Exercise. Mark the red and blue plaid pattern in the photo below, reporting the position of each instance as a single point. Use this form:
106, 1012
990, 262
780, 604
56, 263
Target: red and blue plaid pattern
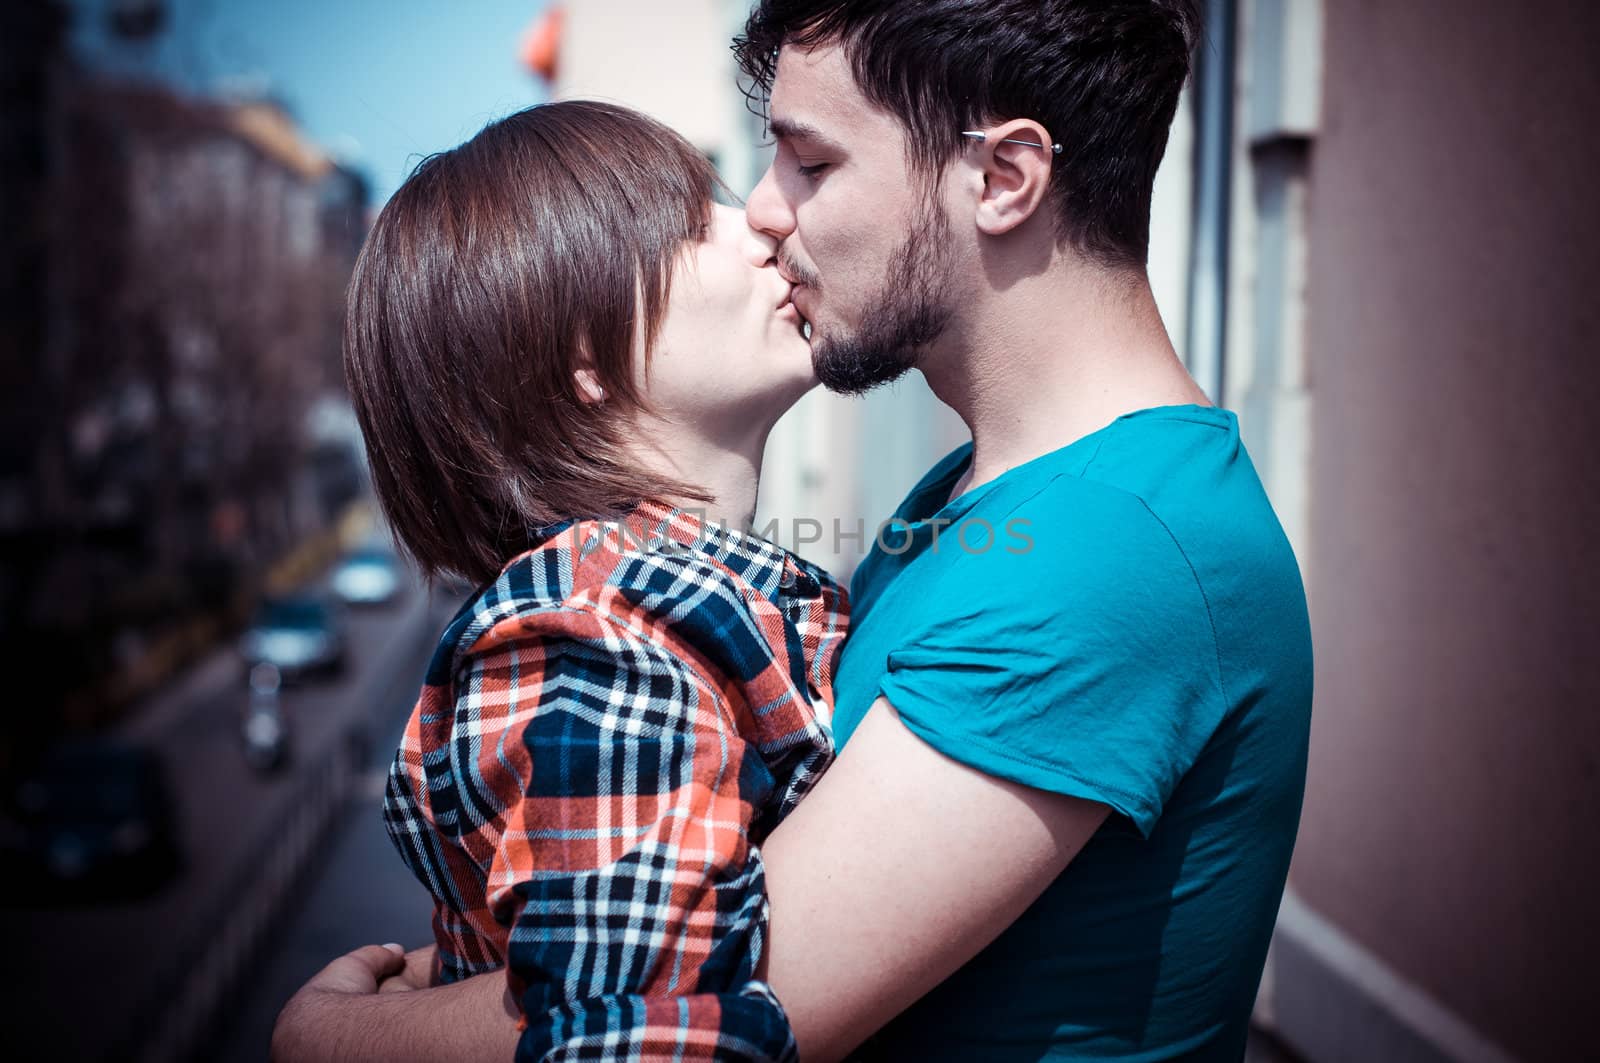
605, 735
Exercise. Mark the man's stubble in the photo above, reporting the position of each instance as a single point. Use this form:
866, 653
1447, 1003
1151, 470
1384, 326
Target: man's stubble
906, 316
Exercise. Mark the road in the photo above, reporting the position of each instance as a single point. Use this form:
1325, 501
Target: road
359, 893
147, 979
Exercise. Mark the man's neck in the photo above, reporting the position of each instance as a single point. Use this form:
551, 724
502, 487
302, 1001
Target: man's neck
1051, 358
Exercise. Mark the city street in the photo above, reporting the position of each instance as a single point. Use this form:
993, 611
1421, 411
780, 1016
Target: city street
356, 893
155, 975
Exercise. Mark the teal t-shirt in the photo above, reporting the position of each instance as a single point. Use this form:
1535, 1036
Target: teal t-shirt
1122, 620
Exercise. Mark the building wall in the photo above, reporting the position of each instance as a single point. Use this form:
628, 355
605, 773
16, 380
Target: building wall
668, 60
1449, 832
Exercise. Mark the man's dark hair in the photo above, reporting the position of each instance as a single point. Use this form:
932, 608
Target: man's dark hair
1103, 76
544, 244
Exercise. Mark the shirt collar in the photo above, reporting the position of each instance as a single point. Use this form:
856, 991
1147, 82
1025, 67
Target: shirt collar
767, 567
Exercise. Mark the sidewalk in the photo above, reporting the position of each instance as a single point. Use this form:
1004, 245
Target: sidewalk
147, 979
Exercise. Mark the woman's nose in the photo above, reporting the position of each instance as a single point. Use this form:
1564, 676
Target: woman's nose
760, 248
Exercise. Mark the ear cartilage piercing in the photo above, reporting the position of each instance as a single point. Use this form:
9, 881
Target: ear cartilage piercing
979, 135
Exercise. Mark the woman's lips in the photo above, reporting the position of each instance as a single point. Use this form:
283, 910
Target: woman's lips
786, 307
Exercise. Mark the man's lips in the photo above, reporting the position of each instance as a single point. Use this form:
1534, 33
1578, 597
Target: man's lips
787, 270
789, 311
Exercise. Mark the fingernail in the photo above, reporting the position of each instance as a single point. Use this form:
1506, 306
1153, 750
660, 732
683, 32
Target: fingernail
392, 947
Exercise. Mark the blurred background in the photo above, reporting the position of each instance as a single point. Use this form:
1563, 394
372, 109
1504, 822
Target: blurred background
1373, 237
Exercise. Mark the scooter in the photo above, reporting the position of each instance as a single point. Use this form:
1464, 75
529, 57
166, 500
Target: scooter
264, 729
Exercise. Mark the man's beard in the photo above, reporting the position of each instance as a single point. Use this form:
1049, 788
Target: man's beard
911, 312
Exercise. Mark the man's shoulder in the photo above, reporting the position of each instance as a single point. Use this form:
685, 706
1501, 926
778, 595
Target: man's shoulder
1056, 555
1066, 525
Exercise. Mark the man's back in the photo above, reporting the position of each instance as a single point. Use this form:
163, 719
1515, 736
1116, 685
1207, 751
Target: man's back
1150, 650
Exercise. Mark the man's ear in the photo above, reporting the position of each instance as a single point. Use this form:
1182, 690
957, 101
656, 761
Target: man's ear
589, 389
1016, 159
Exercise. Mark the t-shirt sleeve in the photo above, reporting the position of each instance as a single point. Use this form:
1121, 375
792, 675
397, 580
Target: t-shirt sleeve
1075, 655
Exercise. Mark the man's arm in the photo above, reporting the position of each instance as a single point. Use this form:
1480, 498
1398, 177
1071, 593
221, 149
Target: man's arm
898, 868
1030, 695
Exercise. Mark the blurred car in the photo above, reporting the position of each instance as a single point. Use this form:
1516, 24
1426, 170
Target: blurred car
300, 635
369, 576
92, 820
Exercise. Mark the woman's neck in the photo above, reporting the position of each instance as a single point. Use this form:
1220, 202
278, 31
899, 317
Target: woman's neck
730, 472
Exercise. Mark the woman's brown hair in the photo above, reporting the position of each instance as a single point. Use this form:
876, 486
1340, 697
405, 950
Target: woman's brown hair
499, 268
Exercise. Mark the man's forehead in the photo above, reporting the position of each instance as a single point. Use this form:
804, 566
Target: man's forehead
815, 96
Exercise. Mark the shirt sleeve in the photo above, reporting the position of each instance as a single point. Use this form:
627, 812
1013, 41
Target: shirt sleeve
1076, 655
820, 626
635, 903
462, 948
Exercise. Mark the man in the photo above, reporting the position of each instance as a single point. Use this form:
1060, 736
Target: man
1071, 766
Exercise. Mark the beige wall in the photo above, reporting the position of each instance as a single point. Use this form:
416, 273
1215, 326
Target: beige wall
670, 60
1452, 817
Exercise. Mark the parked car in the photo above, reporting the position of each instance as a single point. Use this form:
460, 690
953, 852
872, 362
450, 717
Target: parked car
369, 576
92, 820
300, 635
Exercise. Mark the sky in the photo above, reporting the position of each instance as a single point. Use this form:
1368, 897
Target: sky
376, 83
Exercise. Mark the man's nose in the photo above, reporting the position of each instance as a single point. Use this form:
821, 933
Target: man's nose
767, 211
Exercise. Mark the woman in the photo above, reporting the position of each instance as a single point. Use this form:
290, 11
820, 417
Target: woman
566, 360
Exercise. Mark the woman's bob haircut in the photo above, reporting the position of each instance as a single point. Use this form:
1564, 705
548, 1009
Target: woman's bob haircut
543, 245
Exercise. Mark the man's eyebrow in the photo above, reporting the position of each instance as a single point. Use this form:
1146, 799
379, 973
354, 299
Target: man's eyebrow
789, 129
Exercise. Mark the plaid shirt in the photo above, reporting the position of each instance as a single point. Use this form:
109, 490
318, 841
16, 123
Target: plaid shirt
605, 735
